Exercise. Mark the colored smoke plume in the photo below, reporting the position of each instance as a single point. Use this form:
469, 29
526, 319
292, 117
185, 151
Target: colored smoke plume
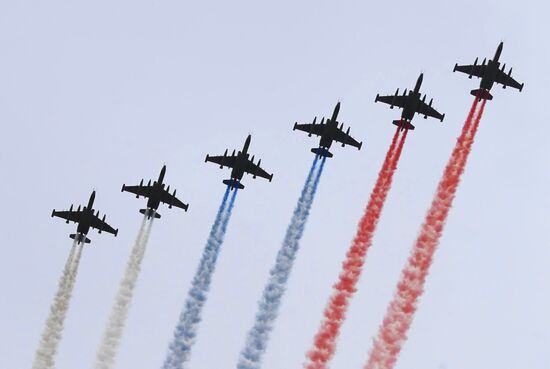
343, 291
53, 330
268, 306
112, 335
185, 332
399, 316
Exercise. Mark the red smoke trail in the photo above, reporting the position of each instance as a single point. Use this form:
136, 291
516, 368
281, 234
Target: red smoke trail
343, 291
393, 332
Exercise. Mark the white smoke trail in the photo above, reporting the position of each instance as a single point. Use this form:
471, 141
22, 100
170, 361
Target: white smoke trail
185, 333
51, 336
268, 309
112, 335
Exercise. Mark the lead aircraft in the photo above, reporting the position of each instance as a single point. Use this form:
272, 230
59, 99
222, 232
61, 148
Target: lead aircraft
490, 73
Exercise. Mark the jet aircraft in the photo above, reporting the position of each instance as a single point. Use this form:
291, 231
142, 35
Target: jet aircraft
411, 103
86, 219
156, 193
490, 73
328, 132
240, 164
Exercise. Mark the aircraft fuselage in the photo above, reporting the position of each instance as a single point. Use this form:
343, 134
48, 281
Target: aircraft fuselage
153, 201
238, 170
331, 128
85, 223
413, 101
488, 79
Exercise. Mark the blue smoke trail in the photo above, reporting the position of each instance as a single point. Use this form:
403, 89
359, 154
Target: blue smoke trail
268, 306
185, 332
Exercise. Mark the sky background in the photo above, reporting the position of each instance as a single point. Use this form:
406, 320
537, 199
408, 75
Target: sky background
97, 94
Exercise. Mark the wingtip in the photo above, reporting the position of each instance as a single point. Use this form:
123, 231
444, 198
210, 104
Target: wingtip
53, 213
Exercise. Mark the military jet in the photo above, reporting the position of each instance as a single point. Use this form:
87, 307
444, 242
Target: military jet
86, 219
411, 103
489, 72
328, 132
156, 193
241, 164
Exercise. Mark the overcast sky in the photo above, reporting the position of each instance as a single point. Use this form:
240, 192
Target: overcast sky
97, 95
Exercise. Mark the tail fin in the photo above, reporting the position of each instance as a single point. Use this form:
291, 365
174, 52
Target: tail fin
482, 93
404, 124
149, 213
233, 183
80, 238
322, 151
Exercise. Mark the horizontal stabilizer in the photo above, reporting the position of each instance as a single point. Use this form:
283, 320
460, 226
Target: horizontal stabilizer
482, 94
321, 151
404, 124
149, 213
80, 238
233, 183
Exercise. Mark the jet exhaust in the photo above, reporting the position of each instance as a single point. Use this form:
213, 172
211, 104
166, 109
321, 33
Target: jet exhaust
53, 330
258, 336
324, 345
108, 348
392, 334
179, 350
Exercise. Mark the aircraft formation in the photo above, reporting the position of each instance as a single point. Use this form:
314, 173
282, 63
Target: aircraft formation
329, 130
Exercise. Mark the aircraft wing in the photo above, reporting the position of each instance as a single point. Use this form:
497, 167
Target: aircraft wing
139, 190
70, 215
506, 79
427, 110
222, 160
345, 138
394, 100
311, 128
101, 225
256, 170
171, 199
472, 70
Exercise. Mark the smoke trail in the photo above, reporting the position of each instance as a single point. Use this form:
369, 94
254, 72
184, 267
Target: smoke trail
258, 336
393, 332
185, 332
343, 291
110, 343
51, 335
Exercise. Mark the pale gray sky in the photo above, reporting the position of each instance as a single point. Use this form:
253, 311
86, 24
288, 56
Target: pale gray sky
99, 94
